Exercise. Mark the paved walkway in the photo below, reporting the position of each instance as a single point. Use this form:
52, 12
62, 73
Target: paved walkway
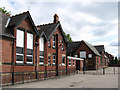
75, 81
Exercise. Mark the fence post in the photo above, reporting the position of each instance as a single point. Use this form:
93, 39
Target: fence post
114, 70
12, 78
103, 71
23, 77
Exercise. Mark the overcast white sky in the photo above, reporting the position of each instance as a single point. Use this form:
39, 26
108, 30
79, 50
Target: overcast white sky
94, 22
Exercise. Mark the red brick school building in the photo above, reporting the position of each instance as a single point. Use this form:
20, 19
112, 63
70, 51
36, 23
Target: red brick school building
33, 52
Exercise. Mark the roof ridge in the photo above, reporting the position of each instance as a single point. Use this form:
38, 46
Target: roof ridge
98, 45
20, 14
45, 24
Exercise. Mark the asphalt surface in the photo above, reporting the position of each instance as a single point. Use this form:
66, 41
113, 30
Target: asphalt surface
108, 80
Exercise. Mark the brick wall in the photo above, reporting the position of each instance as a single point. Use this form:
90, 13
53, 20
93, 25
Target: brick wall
90, 63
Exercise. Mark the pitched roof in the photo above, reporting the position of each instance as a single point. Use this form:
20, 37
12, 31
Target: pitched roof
72, 46
100, 48
48, 30
92, 48
5, 31
17, 19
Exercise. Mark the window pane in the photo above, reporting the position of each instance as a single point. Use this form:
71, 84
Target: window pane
82, 54
53, 59
41, 59
19, 50
48, 59
19, 58
69, 61
29, 41
73, 62
20, 38
89, 55
29, 52
63, 59
53, 38
41, 53
41, 45
29, 59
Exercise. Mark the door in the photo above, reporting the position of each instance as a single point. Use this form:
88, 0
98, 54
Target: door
77, 65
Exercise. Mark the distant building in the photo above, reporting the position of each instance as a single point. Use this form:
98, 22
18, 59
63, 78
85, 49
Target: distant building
86, 51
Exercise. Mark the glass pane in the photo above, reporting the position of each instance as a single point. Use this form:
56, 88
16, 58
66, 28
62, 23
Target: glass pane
29, 51
19, 50
41, 59
82, 54
19, 58
41, 45
41, 53
29, 40
20, 38
29, 59
63, 59
53, 43
53, 38
54, 61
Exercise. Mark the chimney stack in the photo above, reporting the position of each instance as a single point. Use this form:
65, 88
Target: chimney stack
56, 18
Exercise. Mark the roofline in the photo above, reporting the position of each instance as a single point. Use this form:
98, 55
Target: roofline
28, 15
42, 35
87, 46
53, 31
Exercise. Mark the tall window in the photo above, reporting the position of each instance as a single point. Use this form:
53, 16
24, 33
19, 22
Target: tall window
82, 54
63, 60
73, 62
20, 46
53, 59
53, 41
49, 60
29, 48
41, 49
69, 62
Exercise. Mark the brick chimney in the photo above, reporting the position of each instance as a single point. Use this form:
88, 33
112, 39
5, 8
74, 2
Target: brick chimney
56, 18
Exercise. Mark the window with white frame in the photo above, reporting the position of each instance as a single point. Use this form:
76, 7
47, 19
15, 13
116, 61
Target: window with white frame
73, 62
63, 60
20, 46
69, 62
53, 41
82, 54
29, 48
41, 50
62, 46
49, 59
53, 59
89, 55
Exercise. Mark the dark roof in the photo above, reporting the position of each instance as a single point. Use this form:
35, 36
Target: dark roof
72, 46
92, 48
5, 31
100, 48
77, 44
48, 30
17, 19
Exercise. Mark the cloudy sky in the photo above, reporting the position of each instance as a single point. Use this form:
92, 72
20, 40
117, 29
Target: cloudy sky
93, 21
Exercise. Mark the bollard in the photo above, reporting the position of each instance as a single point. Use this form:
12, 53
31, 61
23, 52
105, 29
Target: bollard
114, 70
103, 71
